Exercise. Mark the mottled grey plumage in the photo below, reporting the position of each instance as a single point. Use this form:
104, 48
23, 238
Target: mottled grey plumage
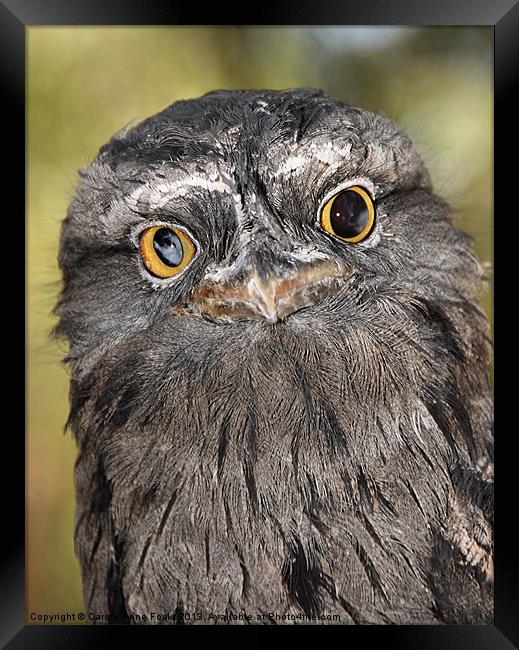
332, 457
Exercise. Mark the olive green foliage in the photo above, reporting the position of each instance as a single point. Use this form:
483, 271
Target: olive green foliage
84, 84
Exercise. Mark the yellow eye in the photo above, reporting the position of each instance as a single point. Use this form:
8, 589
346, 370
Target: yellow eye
166, 251
349, 215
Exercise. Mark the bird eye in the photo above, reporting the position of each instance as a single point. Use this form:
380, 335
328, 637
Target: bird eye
166, 251
349, 215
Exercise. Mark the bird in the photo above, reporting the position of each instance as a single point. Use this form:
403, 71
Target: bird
279, 373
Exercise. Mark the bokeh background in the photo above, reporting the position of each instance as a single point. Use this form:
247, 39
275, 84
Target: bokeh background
86, 83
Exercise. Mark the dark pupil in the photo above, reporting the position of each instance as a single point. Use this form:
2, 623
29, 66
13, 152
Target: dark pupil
168, 247
349, 214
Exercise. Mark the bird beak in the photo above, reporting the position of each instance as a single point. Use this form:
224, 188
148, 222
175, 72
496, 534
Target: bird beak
268, 287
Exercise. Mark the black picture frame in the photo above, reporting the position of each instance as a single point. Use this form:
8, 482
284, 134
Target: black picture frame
15, 17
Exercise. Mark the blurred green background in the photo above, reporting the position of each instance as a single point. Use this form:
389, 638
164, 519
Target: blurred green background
86, 83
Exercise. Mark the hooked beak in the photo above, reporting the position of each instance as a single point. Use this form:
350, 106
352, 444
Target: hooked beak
266, 287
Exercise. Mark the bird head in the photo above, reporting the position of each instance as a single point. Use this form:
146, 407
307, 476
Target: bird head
268, 252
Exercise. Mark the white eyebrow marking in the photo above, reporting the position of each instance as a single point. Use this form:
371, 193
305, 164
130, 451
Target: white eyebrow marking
331, 154
157, 193
290, 164
328, 153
